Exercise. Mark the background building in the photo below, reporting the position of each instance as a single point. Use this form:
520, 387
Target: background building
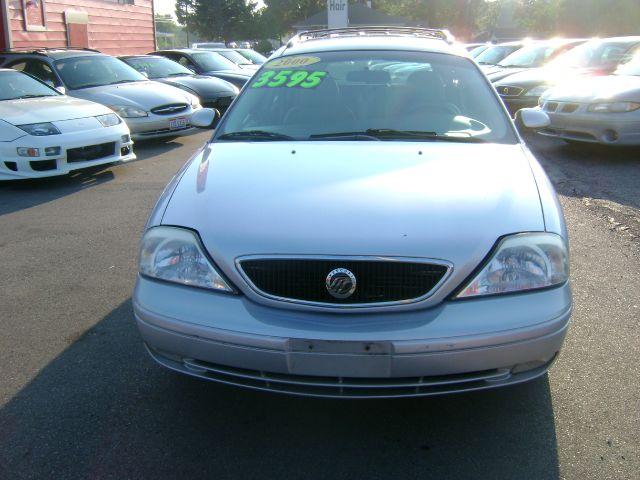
112, 26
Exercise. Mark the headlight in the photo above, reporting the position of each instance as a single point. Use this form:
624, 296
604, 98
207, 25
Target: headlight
614, 107
128, 112
176, 255
521, 262
40, 129
109, 120
536, 91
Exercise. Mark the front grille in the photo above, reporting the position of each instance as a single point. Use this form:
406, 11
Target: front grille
341, 387
221, 103
507, 91
376, 281
43, 165
170, 109
551, 106
91, 152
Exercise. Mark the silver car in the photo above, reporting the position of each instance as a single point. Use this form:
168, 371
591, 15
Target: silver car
603, 110
150, 109
369, 234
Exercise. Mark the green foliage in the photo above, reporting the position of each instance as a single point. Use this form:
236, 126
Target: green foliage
217, 19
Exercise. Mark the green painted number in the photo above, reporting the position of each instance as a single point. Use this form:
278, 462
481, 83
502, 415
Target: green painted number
280, 79
264, 79
297, 78
313, 80
289, 79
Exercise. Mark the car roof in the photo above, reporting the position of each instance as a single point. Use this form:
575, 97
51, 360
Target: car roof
53, 53
373, 38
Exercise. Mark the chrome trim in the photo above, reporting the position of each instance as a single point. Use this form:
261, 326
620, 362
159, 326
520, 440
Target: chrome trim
345, 306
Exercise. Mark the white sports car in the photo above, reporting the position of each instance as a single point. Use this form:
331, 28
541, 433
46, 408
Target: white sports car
44, 133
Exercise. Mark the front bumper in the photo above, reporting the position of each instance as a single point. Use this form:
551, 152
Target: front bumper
603, 128
457, 346
14, 167
159, 126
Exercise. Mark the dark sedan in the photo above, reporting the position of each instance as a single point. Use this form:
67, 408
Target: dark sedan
204, 62
213, 92
593, 58
240, 60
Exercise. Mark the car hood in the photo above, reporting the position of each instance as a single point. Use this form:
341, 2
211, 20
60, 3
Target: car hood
435, 200
145, 95
598, 89
550, 75
204, 86
233, 73
48, 109
500, 73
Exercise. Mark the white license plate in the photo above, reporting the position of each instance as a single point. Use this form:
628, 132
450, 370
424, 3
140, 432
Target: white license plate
177, 123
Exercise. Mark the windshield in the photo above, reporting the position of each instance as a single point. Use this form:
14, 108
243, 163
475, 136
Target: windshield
630, 68
492, 55
531, 56
596, 53
213, 62
368, 95
95, 71
478, 50
235, 57
15, 85
253, 56
157, 67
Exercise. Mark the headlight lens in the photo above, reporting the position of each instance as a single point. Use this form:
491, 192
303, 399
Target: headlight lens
128, 112
176, 255
40, 129
521, 262
614, 107
536, 91
109, 120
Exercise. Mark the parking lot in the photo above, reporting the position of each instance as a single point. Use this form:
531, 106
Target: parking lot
80, 398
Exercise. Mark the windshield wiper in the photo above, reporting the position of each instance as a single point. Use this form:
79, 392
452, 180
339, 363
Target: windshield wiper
260, 135
388, 133
344, 136
118, 82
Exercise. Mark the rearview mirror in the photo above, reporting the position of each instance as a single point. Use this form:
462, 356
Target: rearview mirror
532, 118
206, 118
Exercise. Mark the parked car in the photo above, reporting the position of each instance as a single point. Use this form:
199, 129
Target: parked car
204, 62
595, 57
212, 92
496, 53
603, 110
366, 235
532, 56
240, 61
151, 109
44, 133
251, 55
208, 45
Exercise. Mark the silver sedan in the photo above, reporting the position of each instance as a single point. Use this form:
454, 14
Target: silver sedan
603, 110
367, 235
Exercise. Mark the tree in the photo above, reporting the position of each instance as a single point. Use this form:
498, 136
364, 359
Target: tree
217, 19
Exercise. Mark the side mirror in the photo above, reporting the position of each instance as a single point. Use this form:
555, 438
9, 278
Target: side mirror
144, 74
61, 90
532, 118
206, 118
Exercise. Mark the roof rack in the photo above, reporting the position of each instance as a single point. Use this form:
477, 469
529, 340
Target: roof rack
43, 50
431, 33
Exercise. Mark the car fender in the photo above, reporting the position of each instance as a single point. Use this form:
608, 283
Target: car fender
9, 133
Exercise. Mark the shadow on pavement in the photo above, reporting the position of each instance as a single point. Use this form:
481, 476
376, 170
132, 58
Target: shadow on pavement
588, 170
102, 409
17, 195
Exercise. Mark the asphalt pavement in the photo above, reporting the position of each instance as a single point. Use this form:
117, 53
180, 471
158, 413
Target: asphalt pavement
80, 399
